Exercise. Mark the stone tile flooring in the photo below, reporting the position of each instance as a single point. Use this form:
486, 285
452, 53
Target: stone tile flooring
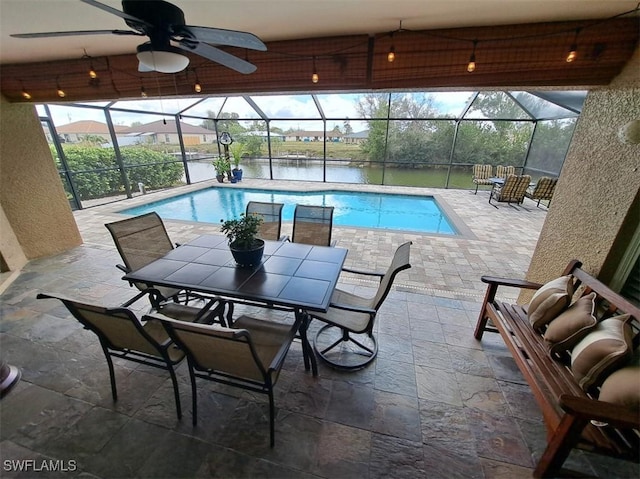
434, 404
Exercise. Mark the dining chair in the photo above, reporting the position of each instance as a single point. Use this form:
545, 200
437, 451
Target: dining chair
347, 340
481, 175
141, 240
248, 355
504, 171
122, 335
313, 225
511, 191
543, 190
271, 214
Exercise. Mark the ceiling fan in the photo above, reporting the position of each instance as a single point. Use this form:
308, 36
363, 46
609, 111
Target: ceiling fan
164, 24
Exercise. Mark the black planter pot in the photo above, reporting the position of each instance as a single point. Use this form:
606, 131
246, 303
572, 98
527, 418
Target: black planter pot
248, 257
220, 178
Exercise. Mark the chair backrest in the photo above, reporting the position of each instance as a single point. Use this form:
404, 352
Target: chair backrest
514, 188
312, 225
271, 214
544, 188
399, 263
504, 171
140, 240
482, 172
118, 328
224, 350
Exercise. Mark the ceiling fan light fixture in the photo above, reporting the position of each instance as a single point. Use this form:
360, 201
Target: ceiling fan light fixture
169, 59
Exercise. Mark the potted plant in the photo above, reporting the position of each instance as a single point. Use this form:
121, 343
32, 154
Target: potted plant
245, 246
222, 166
236, 150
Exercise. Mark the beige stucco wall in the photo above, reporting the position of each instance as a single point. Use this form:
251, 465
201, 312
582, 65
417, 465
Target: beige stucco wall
31, 194
593, 204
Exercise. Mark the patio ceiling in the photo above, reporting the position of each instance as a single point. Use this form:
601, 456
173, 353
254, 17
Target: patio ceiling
524, 44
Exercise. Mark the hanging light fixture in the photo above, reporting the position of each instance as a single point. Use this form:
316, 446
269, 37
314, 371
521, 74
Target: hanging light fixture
471, 66
315, 77
573, 49
143, 92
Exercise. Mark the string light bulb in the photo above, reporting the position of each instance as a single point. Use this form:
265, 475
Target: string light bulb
391, 56
92, 73
471, 66
197, 87
25, 94
573, 49
60, 91
143, 92
315, 77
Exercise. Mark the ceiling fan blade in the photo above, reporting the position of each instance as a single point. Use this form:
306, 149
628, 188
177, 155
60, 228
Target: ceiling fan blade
216, 55
73, 33
219, 36
114, 11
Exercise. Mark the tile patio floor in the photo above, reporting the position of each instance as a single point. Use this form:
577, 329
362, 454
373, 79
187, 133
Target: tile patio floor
434, 404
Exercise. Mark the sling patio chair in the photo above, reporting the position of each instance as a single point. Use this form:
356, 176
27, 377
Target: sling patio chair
122, 335
543, 190
347, 341
481, 175
271, 214
511, 191
141, 240
312, 225
248, 355
504, 171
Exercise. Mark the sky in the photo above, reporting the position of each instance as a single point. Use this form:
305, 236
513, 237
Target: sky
299, 109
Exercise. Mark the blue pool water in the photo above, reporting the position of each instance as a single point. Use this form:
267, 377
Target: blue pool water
367, 210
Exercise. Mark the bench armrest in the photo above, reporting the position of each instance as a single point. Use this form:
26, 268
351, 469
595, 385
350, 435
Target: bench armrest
592, 409
515, 283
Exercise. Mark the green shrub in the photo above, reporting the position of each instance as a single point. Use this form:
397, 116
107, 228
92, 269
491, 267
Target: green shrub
96, 174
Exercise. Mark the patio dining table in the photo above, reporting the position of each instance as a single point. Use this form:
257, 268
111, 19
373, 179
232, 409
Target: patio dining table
291, 275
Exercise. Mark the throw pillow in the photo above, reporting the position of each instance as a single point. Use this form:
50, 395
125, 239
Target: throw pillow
549, 301
623, 387
602, 351
569, 327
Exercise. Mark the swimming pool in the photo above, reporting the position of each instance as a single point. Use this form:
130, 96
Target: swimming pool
366, 210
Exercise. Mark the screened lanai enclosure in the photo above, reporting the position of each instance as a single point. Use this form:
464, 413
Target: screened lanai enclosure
107, 151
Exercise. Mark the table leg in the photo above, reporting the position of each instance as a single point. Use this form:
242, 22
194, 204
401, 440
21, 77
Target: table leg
307, 351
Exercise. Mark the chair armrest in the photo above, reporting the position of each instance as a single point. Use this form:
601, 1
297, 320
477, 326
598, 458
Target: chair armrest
363, 272
355, 309
123, 268
514, 283
149, 291
592, 409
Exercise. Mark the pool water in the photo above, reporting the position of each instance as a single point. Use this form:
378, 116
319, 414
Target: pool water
366, 210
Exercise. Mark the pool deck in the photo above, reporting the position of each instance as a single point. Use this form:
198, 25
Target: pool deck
435, 403
441, 264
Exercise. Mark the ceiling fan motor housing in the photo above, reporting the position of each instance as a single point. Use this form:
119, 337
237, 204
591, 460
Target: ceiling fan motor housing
159, 14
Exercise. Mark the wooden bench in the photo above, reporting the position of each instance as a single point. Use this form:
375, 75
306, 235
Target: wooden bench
567, 410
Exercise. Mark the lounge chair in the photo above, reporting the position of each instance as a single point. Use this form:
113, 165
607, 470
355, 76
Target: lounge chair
481, 175
543, 190
511, 191
504, 171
